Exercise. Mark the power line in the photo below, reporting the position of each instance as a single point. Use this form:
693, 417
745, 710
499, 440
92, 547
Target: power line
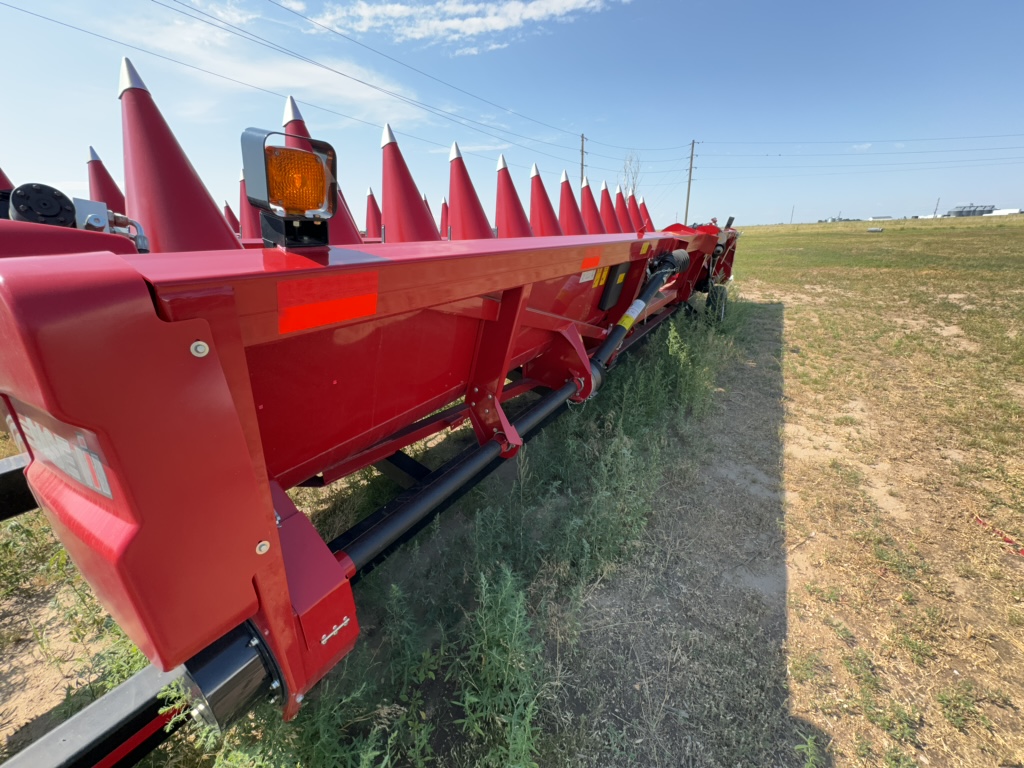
230, 79
849, 165
869, 154
443, 82
873, 141
462, 121
856, 173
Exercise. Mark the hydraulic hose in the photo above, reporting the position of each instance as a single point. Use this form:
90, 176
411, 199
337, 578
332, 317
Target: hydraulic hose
667, 266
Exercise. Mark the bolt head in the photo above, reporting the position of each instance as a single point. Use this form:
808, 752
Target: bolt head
200, 348
263, 547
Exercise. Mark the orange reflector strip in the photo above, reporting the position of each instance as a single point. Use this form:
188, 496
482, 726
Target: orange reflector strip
590, 262
311, 303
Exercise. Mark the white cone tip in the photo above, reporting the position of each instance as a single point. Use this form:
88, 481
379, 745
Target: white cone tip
534, 171
129, 78
586, 182
369, 191
444, 201
291, 111
640, 200
93, 156
604, 186
501, 162
618, 189
455, 153
387, 137
241, 175
565, 177
630, 194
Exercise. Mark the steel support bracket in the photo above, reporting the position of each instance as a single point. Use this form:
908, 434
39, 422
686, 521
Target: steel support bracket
494, 352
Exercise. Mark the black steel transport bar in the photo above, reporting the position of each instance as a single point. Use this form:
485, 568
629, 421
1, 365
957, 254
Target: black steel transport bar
121, 727
15, 497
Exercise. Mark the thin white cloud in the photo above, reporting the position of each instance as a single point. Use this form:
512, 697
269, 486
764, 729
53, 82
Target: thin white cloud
862, 147
294, 5
217, 50
447, 20
497, 46
470, 51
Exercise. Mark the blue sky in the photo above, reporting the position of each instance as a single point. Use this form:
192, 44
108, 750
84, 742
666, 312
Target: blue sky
806, 109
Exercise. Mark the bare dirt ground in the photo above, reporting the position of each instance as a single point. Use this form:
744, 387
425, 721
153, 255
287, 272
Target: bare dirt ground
683, 651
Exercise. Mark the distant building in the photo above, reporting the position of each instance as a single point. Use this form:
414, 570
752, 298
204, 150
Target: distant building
971, 210
879, 218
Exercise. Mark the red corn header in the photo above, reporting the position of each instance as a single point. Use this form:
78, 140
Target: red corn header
170, 378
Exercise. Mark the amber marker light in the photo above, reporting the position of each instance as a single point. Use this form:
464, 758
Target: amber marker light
297, 182
287, 182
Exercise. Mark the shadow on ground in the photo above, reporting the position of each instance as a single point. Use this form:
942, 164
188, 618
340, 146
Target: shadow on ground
681, 658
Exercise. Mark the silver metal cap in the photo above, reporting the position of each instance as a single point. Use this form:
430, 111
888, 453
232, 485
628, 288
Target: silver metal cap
92, 155
129, 78
455, 151
565, 176
604, 185
586, 182
618, 189
501, 162
369, 191
534, 171
291, 111
387, 137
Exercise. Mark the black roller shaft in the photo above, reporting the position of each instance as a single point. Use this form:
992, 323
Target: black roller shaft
374, 535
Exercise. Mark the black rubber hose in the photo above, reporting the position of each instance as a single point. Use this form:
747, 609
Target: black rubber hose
664, 269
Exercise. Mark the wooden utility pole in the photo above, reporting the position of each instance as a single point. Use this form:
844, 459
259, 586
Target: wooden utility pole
689, 181
582, 173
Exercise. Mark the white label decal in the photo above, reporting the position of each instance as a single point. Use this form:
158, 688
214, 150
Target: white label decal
75, 461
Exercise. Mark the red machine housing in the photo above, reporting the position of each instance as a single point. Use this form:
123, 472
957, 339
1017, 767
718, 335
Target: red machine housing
205, 383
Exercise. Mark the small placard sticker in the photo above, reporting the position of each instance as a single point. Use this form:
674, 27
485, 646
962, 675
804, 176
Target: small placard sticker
588, 276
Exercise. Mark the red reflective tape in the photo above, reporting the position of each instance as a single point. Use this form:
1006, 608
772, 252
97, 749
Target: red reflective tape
125, 748
590, 262
313, 302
